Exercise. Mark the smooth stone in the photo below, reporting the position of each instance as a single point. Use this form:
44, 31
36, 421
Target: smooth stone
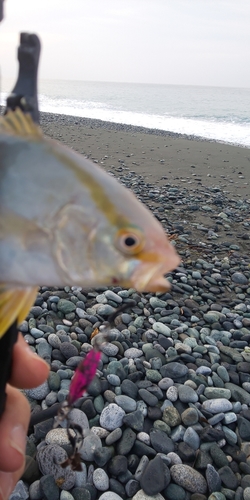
178, 433
131, 487
141, 495
156, 302
78, 417
165, 383
244, 428
220, 405
49, 487
228, 478
114, 380
39, 392
219, 457
190, 416
174, 458
187, 394
65, 495
113, 436
155, 477
91, 443
217, 392
174, 371
141, 467
36, 333
239, 278
54, 381
20, 492
126, 442
103, 455
172, 393
81, 476
175, 492
188, 478
113, 296
246, 493
153, 375
192, 438
149, 398
161, 328
110, 495
217, 495
57, 436
133, 353
112, 417
35, 491
213, 479
109, 349
100, 479
129, 388
171, 416
223, 373
135, 420
105, 310
161, 442
237, 393
126, 403
68, 350
49, 459
66, 306
118, 465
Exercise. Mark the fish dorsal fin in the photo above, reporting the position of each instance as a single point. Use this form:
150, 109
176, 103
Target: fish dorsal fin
19, 123
15, 305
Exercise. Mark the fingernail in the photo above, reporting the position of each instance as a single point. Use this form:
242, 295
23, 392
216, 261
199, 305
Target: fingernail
6, 485
18, 439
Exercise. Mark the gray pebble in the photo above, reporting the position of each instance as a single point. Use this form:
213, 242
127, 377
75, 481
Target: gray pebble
188, 478
192, 438
49, 459
20, 492
187, 394
112, 417
100, 480
220, 405
161, 328
39, 392
35, 491
133, 353
126, 403
91, 443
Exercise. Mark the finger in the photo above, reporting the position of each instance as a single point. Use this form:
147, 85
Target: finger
28, 369
13, 430
8, 481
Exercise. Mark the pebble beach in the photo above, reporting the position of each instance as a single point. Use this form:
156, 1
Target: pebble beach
168, 413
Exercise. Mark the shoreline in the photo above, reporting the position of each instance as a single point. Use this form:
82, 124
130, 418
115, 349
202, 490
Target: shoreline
98, 123
103, 124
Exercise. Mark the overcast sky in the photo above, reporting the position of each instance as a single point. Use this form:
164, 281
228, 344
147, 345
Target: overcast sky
190, 42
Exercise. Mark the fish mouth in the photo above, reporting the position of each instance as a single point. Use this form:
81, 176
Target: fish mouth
148, 278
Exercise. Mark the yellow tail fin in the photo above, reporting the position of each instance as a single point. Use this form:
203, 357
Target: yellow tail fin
15, 304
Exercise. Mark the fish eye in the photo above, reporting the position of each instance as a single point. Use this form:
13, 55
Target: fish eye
130, 241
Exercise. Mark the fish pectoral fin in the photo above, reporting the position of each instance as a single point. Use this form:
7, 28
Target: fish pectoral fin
19, 123
15, 304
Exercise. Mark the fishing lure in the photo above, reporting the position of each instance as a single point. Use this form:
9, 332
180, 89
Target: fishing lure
81, 380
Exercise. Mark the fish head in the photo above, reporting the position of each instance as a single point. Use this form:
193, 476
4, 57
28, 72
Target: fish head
137, 256
132, 252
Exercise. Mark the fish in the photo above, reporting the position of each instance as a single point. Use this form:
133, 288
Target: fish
65, 221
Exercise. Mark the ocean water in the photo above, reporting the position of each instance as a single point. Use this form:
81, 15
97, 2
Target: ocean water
215, 113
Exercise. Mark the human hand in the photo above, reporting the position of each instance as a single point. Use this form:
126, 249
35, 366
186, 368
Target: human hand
28, 371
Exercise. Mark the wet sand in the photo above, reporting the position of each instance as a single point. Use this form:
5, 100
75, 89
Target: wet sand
158, 156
